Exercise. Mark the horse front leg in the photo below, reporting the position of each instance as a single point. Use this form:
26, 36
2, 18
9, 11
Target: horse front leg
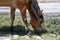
23, 13
12, 19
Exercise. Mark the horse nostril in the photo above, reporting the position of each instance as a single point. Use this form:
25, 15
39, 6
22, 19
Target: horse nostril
40, 31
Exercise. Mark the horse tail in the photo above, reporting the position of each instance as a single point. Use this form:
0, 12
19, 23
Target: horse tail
35, 8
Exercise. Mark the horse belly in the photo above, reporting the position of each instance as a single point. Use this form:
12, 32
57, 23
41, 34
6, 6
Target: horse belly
11, 3
5, 2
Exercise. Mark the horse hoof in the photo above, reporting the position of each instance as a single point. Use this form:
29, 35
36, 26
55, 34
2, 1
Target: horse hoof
26, 30
29, 34
12, 31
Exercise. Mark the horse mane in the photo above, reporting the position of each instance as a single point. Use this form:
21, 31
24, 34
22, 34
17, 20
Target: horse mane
35, 8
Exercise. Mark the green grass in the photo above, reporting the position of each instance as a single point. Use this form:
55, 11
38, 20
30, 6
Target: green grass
19, 26
5, 24
51, 25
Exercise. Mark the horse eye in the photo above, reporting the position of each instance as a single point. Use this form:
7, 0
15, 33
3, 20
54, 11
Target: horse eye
41, 16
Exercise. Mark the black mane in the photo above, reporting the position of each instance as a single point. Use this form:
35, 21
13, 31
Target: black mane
35, 8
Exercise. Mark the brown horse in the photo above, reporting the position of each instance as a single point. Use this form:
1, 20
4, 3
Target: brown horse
22, 5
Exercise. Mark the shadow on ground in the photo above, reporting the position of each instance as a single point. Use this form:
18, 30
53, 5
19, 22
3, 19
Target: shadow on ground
18, 29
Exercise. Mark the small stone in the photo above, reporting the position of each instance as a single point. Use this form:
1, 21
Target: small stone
38, 38
6, 38
15, 36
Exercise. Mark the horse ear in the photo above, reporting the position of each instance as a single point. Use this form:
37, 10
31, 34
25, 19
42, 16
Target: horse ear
42, 10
